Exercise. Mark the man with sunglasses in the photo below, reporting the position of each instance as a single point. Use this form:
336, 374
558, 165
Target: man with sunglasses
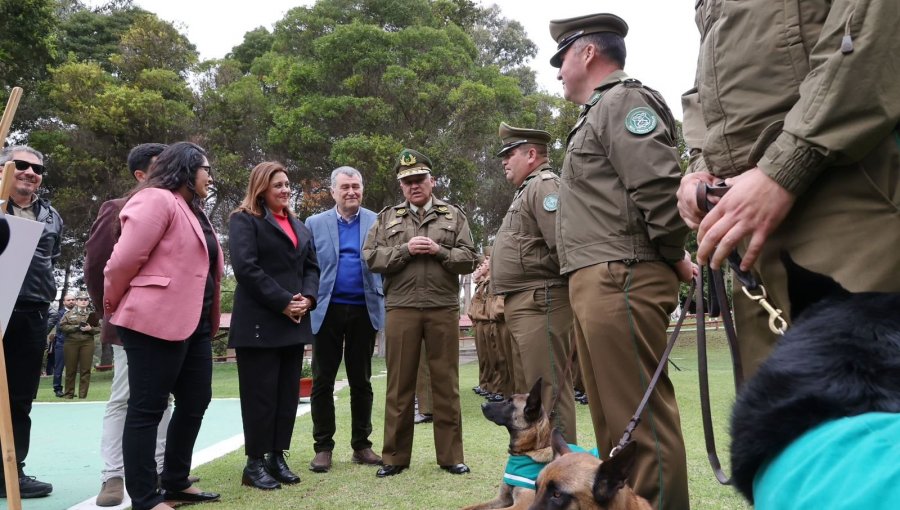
24, 339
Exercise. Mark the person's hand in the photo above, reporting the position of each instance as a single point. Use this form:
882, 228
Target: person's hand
754, 206
685, 269
85, 328
295, 310
687, 198
421, 245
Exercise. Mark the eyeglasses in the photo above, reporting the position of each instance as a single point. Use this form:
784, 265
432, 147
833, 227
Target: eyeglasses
25, 165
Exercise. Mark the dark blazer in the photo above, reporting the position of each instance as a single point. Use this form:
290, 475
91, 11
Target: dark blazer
324, 228
97, 250
269, 271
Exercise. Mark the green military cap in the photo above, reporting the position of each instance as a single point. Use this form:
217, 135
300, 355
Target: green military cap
82, 295
514, 137
567, 31
412, 162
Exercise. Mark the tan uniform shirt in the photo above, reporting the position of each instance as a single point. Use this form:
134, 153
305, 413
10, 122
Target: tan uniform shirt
420, 281
811, 91
524, 255
617, 192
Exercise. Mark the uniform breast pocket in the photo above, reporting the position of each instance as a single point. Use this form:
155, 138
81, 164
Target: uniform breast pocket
394, 236
446, 235
573, 164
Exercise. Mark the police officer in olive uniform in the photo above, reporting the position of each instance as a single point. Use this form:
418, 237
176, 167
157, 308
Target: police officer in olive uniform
805, 125
421, 247
621, 243
525, 270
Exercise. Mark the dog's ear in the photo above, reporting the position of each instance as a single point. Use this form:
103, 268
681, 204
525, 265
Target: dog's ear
613, 473
559, 444
806, 288
533, 403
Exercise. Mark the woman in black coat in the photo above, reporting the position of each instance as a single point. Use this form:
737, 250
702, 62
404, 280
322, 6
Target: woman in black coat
277, 282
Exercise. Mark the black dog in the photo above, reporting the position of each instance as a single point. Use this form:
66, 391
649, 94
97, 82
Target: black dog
840, 359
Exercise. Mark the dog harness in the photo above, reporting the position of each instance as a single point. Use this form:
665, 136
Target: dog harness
522, 470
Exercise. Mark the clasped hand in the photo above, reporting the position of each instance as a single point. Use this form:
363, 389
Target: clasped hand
421, 245
297, 308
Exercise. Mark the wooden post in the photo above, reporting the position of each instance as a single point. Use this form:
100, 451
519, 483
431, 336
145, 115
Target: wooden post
10, 468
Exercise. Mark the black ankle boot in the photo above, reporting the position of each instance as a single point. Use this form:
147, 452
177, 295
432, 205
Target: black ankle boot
279, 469
255, 475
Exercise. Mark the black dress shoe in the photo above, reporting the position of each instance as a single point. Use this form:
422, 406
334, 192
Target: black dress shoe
188, 497
390, 470
255, 475
456, 469
58, 393
279, 469
495, 397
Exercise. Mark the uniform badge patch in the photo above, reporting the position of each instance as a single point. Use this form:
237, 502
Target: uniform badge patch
551, 202
641, 120
401, 211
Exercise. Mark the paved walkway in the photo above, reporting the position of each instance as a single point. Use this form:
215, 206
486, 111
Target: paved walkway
65, 448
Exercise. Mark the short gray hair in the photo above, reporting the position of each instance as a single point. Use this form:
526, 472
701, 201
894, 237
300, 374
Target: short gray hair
7, 153
349, 171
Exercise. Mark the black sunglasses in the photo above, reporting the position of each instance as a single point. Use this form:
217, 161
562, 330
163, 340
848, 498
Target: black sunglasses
24, 165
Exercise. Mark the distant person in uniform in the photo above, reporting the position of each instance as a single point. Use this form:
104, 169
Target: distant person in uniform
621, 244
421, 247
80, 326
525, 271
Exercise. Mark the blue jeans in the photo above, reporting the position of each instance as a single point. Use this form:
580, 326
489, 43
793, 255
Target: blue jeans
59, 361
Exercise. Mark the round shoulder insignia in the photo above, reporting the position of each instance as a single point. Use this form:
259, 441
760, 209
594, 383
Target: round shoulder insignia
641, 120
551, 202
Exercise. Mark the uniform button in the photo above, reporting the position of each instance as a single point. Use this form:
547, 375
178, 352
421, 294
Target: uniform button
257, 326
257, 335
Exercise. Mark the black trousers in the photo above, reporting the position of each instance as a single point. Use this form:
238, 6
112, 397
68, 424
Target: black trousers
157, 368
269, 381
346, 332
23, 349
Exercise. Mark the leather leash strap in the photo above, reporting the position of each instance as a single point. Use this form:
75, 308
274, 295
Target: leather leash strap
717, 293
636, 418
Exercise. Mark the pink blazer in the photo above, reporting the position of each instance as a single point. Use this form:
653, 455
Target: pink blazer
155, 278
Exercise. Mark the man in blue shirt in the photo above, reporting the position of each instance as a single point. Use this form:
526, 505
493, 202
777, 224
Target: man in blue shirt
349, 313
56, 339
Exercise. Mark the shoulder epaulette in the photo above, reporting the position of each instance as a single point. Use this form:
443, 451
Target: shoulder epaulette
632, 83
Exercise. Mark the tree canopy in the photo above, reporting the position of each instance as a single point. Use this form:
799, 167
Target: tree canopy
341, 82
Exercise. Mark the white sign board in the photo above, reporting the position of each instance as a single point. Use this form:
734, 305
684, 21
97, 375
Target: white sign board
14, 261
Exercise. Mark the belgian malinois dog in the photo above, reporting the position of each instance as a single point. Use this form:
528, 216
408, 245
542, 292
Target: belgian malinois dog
582, 481
529, 436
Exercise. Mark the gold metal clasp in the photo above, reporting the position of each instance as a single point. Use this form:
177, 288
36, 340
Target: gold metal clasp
777, 324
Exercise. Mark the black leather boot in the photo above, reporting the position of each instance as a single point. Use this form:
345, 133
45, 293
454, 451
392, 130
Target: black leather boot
256, 475
279, 469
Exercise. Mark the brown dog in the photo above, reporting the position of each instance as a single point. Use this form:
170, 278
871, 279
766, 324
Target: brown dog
529, 441
582, 481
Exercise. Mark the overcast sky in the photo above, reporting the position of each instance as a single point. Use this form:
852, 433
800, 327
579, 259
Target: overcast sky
662, 41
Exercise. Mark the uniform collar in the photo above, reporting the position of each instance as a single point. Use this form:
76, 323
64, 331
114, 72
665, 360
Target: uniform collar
537, 171
428, 205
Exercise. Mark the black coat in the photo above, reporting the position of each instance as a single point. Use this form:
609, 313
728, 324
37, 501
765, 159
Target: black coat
269, 271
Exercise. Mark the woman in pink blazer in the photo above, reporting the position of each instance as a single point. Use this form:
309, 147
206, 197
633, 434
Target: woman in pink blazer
162, 289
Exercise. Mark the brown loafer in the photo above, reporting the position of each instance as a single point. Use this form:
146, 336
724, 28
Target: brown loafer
321, 463
366, 456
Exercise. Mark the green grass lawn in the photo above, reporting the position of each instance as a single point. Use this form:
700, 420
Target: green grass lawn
424, 485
